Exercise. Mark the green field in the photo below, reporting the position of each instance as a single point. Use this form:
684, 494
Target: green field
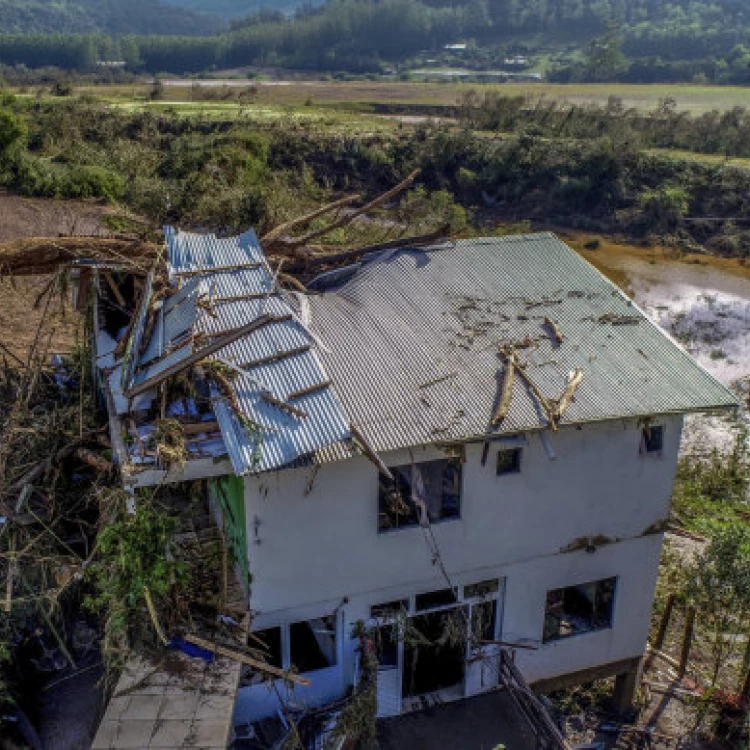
361, 95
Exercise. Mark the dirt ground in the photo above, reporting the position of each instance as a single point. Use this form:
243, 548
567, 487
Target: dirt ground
19, 319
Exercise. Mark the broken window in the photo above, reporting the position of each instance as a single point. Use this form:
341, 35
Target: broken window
483, 617
420, 493
271, 648
652, 440
579, 609
482, 589
312, 643
433, 599
509, 461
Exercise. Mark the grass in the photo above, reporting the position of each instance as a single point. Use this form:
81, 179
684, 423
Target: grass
358, 96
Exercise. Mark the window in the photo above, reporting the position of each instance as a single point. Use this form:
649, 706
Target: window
481, 589
271, 645
429, 491
509, 461
579, 609
386, 641
483, 617
432, 599
652, 440
389, 609
268, 642
312, 644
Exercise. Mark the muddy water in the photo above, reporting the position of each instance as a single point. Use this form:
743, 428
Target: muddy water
702, 302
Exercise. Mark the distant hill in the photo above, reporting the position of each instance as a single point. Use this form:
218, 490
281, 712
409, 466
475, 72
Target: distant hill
105, 16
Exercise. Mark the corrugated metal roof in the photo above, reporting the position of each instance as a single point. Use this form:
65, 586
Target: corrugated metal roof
413, 342
189, 252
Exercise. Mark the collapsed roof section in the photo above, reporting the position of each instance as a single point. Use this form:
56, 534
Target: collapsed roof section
222, 314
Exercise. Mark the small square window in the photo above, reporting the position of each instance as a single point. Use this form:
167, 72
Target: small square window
509, 461
653, 439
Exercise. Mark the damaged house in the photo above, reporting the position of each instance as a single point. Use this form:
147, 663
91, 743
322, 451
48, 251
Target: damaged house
466, 448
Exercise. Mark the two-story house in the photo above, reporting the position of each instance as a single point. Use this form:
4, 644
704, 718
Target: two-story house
467, 447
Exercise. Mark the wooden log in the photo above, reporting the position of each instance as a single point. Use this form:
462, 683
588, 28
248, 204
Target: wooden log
666, 657
285, 227
370, 452
664, 622
547, 405
567, 397
93, 459
275, 357
244, 659
506, 392
206, 351
687, 641
349, 218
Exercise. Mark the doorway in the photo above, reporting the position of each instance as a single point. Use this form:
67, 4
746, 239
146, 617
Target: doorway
435, 652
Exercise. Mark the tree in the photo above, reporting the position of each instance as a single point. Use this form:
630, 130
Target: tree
11, 130
604, 56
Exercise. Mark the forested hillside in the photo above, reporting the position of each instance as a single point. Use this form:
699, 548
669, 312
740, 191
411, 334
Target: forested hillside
574, 40
107, 16
238, 8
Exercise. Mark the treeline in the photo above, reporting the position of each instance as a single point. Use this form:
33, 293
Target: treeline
101, 16
655, 39
228, 175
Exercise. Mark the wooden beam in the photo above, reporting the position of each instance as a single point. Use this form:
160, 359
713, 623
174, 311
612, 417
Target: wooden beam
286, 226
244, 659
307, 391
204, 352
506, 392
567, 397
275, 357
216, 269
370, 452
115, 290
269, 398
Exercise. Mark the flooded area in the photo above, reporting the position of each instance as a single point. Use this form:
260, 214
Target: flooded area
704, 303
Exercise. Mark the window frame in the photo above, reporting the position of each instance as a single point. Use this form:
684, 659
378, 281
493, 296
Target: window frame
448, 460
612, 614
286, 641
515, 468
653, 452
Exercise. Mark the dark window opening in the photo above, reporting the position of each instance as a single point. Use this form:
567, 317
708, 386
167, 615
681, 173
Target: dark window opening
432, 599
483, 621
481, 589
387, 646
389, 609
312, 644
420, 493
579, 609
271, 648
509, 461
653, 439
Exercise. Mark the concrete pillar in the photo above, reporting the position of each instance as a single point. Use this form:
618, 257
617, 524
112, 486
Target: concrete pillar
626, 686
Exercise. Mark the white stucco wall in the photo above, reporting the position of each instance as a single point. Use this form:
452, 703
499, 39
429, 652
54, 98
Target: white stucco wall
314, 547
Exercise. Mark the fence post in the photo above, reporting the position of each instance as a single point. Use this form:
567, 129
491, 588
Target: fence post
687, 641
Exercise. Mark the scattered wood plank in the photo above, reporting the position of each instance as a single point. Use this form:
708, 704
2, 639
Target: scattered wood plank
244, 659
206, 351
269, 398
309, 390
566, 399
557, 336
506, 392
